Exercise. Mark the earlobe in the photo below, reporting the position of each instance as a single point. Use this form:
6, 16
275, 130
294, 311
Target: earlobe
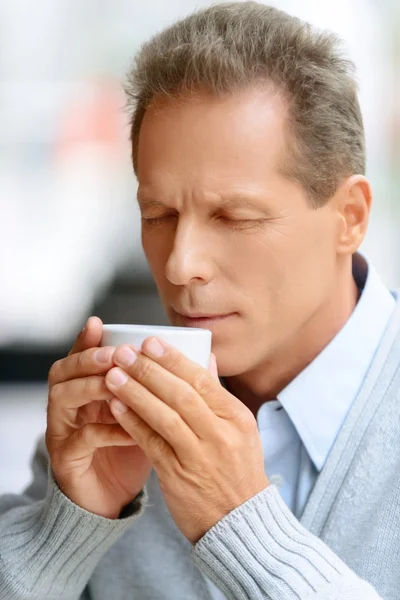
354, 207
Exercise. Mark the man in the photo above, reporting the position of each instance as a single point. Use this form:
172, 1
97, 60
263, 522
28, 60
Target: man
156, 481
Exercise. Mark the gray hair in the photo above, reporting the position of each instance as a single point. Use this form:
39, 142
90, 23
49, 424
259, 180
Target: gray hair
234, 45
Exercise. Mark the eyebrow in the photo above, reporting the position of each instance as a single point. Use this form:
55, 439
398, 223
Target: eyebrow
228, 200
239, 200
144, 201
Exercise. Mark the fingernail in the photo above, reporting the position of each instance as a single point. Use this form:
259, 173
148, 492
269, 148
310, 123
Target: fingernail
104, 355
119, 406
125, 356
117, 377
153, 347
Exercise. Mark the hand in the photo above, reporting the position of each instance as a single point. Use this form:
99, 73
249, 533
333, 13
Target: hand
94, 461
202, 441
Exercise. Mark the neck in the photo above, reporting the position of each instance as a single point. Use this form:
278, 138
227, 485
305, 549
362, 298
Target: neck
268, 379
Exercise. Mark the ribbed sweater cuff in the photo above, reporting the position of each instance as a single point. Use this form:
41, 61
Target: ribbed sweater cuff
52, 548
260, 550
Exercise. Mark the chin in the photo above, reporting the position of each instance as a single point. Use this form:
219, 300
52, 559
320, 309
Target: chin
229, 363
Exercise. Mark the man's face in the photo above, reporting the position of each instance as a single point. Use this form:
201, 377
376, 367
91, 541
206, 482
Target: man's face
224, 232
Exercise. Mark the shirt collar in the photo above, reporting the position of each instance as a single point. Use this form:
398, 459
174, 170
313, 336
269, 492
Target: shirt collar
319, 398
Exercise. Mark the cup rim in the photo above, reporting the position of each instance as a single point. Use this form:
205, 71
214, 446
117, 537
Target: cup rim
131, 327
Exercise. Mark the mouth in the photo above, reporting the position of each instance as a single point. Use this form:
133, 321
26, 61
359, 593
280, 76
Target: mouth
198, 320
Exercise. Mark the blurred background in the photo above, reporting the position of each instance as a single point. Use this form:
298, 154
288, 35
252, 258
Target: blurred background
69, 226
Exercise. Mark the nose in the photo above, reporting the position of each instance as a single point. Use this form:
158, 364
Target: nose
190, 258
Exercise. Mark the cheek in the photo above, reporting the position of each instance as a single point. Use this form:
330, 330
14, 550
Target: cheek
299, 270
280, 273
259, 260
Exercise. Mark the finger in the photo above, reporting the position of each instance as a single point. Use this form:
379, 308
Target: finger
159, 417
78, 392
66, 398
179, 395
178, 364
92, 436
212, 367
158, 451
93, 361
220, 401
89, 337
104, 414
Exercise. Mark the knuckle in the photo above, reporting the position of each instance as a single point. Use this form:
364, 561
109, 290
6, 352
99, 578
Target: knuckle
143, 369
56, 393
248, 423
203, 383
86, 433
54, 446
174, 362
54, 371
48, 439
81, 361
230, 443
224, 442
89, 387
187, 396
157, 445
134, 420
175, 422
100, 388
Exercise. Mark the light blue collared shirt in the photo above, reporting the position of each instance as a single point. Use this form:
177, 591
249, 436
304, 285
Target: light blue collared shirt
298, 438
299, 429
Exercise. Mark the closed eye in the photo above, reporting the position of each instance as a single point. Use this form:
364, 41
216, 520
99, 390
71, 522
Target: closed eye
225, 221
240, 223
156, 220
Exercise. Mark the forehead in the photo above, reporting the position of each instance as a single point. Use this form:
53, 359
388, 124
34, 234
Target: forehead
240, 135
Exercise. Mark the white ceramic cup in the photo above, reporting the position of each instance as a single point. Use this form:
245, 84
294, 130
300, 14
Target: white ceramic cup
195, 343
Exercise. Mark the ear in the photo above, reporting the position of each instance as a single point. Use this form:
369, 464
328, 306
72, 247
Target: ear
354, 205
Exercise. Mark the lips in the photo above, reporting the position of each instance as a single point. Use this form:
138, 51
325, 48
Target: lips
201, 315
207, 321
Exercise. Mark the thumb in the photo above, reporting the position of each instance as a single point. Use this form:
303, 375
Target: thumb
89, 337
212, 367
